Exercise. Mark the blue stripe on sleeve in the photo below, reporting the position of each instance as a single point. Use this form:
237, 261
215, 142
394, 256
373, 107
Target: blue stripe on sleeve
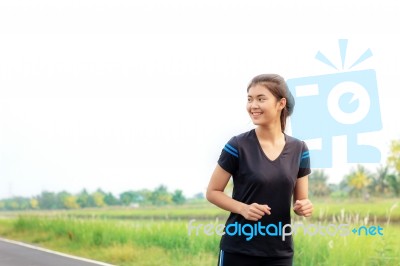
231, 148
304, 160
231, 152
305, 154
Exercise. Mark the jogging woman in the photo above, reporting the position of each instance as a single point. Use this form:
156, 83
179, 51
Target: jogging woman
270, 173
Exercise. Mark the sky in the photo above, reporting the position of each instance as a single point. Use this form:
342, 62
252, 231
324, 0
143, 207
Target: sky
126, 95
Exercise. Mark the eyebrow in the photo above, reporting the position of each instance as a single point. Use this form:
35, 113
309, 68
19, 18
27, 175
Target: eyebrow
259, 95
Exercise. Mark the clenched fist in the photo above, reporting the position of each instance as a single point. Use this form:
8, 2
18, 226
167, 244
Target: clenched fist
255, 211
303, 207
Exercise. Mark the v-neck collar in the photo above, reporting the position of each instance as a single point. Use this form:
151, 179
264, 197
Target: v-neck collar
262, 151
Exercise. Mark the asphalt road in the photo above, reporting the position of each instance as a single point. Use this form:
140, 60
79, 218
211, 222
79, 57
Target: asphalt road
14, 253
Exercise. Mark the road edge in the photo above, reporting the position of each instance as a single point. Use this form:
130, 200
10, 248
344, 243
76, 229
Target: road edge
54, 252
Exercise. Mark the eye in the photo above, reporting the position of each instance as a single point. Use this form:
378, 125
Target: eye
249, 100
261, 99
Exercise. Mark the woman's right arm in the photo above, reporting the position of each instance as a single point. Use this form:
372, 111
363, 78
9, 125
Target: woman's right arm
215, 194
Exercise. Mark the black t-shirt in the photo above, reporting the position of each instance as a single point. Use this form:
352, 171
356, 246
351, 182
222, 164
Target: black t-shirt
257, 179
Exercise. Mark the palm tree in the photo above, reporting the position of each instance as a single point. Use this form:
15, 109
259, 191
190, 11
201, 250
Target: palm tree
318, 183
379, 184
394, 183
394, 158
394, 164
358, 180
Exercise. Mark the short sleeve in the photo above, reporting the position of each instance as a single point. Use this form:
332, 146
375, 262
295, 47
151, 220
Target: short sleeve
229, 158
304, 164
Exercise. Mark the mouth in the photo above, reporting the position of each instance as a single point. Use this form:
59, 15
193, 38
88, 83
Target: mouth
256, 114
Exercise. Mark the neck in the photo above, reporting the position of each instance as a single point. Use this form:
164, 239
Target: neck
270, 133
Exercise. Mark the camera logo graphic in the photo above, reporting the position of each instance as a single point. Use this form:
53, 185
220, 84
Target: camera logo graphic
338, 104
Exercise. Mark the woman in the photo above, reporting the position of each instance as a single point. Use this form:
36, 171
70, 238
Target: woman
268, 168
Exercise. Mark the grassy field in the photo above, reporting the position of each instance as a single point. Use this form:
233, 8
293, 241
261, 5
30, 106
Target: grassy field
378, 210
159, 236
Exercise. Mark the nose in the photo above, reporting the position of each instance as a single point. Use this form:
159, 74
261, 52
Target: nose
253, 105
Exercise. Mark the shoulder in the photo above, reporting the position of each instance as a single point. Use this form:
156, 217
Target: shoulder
245, 135
240, 141
291, 139
295, 142
243, 138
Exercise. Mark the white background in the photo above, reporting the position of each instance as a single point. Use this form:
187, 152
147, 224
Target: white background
133, 94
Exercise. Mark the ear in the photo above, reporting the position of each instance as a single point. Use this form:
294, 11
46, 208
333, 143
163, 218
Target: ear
282, 103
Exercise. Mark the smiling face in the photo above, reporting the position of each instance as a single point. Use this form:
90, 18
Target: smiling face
263, 107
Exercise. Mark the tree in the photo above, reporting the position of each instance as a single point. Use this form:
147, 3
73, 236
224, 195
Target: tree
83, 199
358, 180
145, 196
70, 202
394, 184
379, 184
160, 196
129, 197
34, 203
15, 203
12, 204
23, 203
97, 198
178, 197
110, 199
318, 183
394, 164
61, 199
47, 200
394, 157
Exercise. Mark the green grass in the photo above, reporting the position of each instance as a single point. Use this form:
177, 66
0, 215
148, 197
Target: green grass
375, 209
150, 242
168, 240
353, 210
159, 236
349, 250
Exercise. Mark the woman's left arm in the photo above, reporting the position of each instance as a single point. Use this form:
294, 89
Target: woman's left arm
302, 206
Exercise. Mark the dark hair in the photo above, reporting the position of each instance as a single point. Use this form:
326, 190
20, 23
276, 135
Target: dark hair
278, 87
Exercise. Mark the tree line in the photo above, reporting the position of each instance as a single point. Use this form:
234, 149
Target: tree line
64, 200
360, 182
